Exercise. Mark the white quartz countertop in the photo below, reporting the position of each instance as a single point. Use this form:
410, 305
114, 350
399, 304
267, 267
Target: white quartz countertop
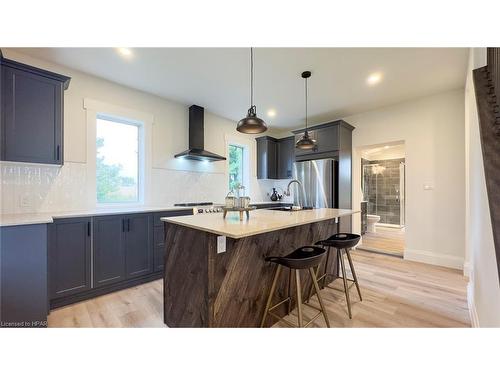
49, 217
261, 221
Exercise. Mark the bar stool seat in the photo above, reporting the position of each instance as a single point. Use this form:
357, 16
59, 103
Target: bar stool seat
343, 242
305, 257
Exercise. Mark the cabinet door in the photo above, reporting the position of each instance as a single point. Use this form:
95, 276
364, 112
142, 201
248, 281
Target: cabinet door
286, 157
327, 140
159, 248
138, 244
109, 249
159, 236
69, 257
267, 158
32, 115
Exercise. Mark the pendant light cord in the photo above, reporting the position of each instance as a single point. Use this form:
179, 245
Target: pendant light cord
251, 76
306, 104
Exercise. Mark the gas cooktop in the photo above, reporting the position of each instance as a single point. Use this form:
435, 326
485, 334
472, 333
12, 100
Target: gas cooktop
194, 204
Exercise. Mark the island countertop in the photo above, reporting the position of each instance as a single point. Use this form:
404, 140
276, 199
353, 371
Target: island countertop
261, 221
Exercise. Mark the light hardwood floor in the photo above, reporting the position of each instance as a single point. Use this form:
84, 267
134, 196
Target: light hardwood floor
386, 239
396, 293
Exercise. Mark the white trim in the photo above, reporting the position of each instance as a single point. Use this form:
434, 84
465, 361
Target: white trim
95, 107
474, 319
248, 145
467, 269
112, 109
437, 259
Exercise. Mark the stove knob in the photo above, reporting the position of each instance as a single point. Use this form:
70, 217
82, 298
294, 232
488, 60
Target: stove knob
211, 210
206, 210
219, 210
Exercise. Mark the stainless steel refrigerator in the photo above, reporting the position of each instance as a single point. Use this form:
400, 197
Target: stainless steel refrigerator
319, 186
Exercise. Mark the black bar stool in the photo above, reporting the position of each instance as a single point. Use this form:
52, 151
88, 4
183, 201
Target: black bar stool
306, 257
343, 242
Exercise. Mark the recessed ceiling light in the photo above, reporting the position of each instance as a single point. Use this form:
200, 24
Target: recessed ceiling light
386, 147
127, 52
271, 113
374, 78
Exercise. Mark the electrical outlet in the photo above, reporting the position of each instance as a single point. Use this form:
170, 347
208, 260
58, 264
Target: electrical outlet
25, 201
221, 244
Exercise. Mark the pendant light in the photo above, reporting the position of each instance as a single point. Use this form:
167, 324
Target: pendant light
251, 124
306, 142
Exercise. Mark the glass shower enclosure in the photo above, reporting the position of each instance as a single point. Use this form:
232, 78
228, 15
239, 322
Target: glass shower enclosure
384, 189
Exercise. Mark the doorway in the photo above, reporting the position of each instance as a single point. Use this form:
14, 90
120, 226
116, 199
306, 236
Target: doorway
383, 170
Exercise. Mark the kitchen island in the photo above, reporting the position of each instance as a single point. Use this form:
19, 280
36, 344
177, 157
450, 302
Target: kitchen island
215, 272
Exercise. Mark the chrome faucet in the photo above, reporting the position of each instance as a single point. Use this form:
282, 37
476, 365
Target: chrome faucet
287, 192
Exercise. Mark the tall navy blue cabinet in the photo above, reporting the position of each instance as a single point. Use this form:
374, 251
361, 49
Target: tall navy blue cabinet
32, 105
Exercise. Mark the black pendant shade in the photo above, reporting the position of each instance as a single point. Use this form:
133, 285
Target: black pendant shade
306, 142
251, 124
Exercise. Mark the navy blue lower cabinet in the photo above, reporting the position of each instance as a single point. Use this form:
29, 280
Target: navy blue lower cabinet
159, 236
23, 276
69, 257
109, 249
138, 245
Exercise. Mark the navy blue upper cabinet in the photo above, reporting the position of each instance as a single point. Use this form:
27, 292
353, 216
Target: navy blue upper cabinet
32, 105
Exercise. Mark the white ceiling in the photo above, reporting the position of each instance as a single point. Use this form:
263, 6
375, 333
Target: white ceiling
218, 78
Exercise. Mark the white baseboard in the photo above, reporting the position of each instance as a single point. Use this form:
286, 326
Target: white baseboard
437, 259
467, 270
474, 320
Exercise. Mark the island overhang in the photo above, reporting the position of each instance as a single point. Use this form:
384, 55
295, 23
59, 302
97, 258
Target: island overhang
260, 221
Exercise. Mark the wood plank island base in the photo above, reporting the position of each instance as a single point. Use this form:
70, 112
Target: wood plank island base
207, 288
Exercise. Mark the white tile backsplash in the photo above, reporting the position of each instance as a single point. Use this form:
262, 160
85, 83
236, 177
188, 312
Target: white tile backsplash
30, 188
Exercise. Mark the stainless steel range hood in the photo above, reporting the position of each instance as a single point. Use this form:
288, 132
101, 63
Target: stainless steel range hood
196, 150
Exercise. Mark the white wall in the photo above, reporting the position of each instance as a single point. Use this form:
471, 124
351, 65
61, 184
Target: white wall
35, 188
484, 288
432, 131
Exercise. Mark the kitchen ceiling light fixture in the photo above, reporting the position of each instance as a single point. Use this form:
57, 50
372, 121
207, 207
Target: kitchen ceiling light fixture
306, 142
251, 124
126, 52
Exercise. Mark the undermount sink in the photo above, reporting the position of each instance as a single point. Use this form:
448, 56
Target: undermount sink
289, 209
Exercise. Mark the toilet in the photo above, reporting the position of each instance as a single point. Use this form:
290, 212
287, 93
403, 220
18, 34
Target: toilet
371, 221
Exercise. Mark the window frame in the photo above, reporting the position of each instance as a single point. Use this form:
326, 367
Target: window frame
243, 166
140, 158
247, 167
93, 108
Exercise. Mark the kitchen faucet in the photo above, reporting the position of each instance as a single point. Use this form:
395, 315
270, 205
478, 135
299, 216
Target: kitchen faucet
287, 191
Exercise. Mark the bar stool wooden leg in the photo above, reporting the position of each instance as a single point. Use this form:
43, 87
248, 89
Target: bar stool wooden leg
299, 296
344, 279
353, 273
316, 287
271, 292
328, 249
289, 304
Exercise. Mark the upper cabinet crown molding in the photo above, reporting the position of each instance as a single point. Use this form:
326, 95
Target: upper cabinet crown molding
37, 71
32, 113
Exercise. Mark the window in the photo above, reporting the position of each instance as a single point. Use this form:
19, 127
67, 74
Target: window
236, 167
118, 160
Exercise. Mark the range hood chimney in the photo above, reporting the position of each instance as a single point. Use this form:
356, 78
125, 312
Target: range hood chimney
196, 150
